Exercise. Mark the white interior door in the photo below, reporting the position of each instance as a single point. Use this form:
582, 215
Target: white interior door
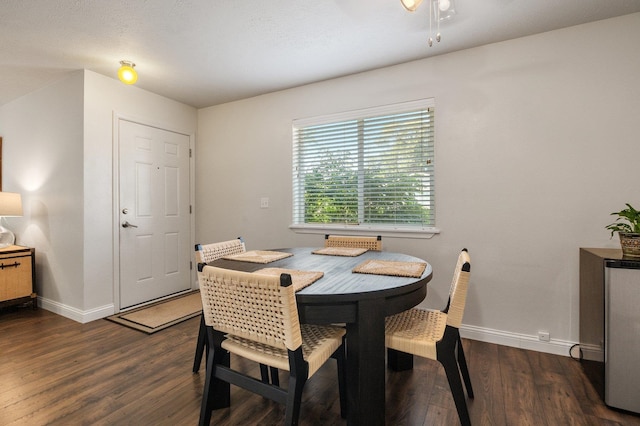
154, 213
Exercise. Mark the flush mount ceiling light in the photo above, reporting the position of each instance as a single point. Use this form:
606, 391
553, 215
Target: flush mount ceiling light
411, 5
439, 10
126, 73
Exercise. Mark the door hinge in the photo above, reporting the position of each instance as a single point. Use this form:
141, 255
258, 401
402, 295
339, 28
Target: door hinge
190, 212
189, 152
191, 265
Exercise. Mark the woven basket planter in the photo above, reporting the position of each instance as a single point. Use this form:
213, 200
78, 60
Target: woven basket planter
630, 243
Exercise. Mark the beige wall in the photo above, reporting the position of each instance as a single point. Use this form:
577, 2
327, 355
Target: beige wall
106, 98
58, 152
533, 142
42, 160
532, 149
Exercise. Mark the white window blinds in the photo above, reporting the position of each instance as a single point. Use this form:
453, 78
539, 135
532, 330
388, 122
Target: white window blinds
373, 167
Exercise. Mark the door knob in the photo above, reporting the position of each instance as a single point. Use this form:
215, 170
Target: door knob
129, 225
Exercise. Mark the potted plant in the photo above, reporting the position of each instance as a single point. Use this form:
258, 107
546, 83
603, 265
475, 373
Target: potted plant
629, 232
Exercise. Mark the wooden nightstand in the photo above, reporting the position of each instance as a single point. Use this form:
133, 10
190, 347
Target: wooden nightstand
17, 276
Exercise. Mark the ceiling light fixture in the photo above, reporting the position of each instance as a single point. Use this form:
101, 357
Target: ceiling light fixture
439, 10
126, 73
411, 5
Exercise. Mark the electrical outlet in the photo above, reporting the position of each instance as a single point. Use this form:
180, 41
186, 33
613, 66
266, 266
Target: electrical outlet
543, 336
264, 203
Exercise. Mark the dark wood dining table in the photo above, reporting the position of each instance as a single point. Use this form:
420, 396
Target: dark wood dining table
361, 301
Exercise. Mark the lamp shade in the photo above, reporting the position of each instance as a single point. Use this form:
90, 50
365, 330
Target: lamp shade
411, 5
126, 73
10, 204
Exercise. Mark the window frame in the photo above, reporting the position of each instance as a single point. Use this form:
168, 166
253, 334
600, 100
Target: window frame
407, 231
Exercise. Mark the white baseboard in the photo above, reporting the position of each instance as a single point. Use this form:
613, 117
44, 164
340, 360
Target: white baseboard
516, 340
76, 314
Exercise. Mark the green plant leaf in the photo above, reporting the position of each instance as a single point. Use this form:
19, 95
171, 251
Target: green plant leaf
629, 214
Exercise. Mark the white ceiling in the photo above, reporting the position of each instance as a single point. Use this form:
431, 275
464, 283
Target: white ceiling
207, 52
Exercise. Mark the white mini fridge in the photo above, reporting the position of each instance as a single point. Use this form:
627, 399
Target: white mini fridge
622, 334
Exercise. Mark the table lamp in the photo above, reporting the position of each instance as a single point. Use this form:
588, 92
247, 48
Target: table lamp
10, 205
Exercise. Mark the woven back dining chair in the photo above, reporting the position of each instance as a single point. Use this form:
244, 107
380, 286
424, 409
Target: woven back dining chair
255, 316
206, 253
354, 241
436, 335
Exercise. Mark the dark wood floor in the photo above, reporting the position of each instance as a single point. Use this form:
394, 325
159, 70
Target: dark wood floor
54, 371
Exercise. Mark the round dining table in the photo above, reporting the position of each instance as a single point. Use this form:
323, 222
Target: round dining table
359, 300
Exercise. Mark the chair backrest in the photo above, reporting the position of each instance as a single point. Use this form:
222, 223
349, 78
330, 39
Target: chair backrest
458, 291
353, 241
206, 253
261, 308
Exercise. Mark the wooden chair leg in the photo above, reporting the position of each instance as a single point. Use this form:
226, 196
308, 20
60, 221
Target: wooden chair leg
455, 384
294, 398
446, 355
264, 373
298, 375
200, 345
206, 405
462, 364
275, 376
216, 393
399, 361
341, 360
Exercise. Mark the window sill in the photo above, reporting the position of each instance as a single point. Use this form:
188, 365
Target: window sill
385, 231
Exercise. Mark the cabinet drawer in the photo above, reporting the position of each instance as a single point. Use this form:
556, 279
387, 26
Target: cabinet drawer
15, 277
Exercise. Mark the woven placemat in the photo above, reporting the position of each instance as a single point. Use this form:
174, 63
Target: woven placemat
258, 256
391, 267
340, 251
300, 279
